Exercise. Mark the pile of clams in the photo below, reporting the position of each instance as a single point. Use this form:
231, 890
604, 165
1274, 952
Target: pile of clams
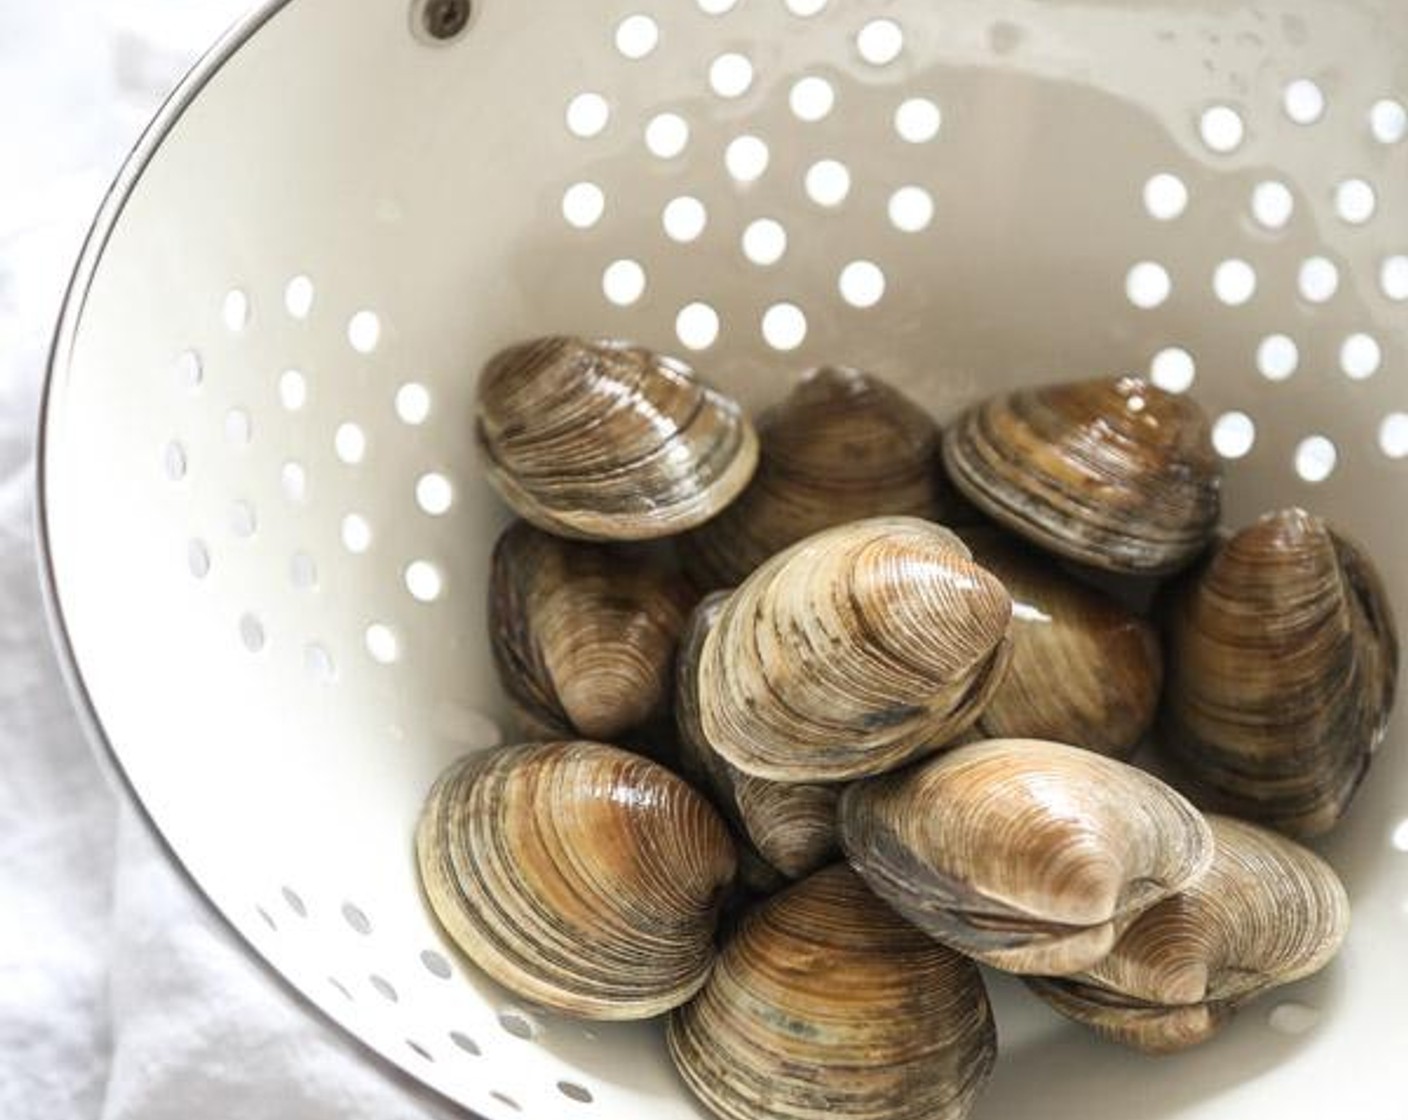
864, 725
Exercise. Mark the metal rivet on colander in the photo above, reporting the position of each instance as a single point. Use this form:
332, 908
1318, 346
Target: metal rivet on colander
443, 20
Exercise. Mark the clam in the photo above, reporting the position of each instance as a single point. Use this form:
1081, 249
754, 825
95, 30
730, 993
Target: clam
583, 634
1084, 670
1029, 856
790, 826
851, 652
1282, 659
579, 876
608, 441
1266, 913
825, 1003
841, 447
1116, 473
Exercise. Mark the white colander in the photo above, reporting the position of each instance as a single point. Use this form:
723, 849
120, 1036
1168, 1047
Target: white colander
267, 536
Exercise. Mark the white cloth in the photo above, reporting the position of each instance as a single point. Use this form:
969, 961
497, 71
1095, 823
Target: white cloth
122, 996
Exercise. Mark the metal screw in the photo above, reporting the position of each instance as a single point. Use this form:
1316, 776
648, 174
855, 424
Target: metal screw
444, 19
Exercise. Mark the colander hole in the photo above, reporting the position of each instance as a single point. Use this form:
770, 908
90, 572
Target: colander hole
1318, 279
587, 115
293, 389
239, 427
731, 75
1303, 101
174, 461
268, 918
1234, 282
350, 443
862, 284
424, 581
1165, 197
911, 209
1361, 356
298, 297
354, 915
1222, 129
322, 668
1399, 839
243, 521
236, 311
1277, 357
294, 901
1173, 370
1393, 278
828, 182
341, 988
812, 99
1293, 1018
1393, 435
637, 36
1148, 284
918, 120
507, 1101
574, 1092
435, 964
764, 241
198, 558
1316, 458
356, 533
716, 7
384, 988
364, 331
684, 219
434, 494
1272, 204
1233, 435
806, 8
517, 1024
784, 326
465, 1043
1355, 201
667, 135
413, 403
1388, 121
880, 42
294, 479
188, 370
382, 643
252, 633
697, 326
746, 158
623, 282
302, 571
583, 204
420, 1050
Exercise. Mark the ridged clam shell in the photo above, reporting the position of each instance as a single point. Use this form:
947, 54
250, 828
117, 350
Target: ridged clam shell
826, 1004
1266, 913
583, 634
608, 441
579, 876
1114, 473
852, 652
1032, 857
1282, 660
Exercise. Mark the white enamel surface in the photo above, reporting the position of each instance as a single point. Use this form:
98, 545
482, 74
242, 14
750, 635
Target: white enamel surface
273, 583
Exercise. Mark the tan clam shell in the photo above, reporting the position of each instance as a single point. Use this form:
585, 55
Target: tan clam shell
852, 652
1266, 913
583, 635
825, 1003
1032, 857
843, 446
1084, 670
1113, 473
790, 826
608, 441
579, 876
1282, 660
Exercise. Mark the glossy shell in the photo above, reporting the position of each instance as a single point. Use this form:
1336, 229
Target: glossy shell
1029, 856
1266, 913
825, 1003
852, 652
1116, 474
1282, 656
607, 441
579, 876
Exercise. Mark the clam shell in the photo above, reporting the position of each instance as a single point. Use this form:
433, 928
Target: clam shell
825, 1003
1266, 913
1115, 473
852, 652
843, 446
1282, 658
1032, 857
608, 441
583, 635
1084, 669
579, 876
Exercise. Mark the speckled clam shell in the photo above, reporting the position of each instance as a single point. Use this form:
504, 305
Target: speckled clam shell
826, 1004
852, 652
1282, 658
579, 876
583, 635
1266, 913
1114, 473
1032, 857
608, 441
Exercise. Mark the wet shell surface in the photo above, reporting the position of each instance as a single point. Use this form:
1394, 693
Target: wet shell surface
608, 441
1266, 913
843, 446
583, 635
1084, 670
825, 1003
852, 652
1282, 655
1029, 856
1115, 473
579, 876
